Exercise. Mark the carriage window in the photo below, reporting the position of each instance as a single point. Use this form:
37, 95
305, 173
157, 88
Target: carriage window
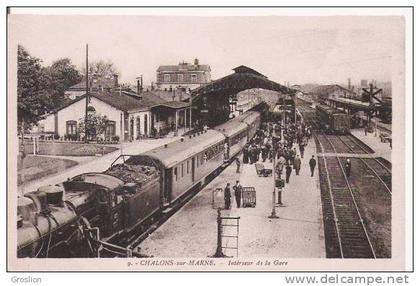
176, 173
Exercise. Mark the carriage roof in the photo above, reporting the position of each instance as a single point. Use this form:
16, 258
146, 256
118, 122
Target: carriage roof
249, 117
172, 153
231, 127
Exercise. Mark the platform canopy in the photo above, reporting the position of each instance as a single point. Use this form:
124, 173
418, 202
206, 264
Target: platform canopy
243, 78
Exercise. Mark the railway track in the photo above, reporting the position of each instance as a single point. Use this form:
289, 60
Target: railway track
345, 229
378, 169
342, 144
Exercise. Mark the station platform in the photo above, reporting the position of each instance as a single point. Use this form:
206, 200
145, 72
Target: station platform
381, 149
298, 233
385, 127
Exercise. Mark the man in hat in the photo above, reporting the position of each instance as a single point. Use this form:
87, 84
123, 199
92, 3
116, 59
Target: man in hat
312, 164
347, 167
238, 193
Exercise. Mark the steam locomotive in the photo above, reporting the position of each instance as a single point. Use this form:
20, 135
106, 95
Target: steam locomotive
68, 219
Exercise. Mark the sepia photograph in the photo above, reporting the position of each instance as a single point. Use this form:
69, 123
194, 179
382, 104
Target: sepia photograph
148, 139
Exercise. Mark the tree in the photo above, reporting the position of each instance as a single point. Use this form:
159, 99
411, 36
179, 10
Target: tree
41, 89
63, 74
96, 125
34, 97
102, 69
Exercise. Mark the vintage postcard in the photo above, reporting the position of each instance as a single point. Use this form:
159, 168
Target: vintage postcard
219, 139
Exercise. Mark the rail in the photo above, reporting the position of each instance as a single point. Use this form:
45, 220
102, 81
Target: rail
353, 200
332, 200
367, 165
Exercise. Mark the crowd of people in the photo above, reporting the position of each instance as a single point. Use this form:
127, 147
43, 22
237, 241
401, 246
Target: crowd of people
287, 148
270, 143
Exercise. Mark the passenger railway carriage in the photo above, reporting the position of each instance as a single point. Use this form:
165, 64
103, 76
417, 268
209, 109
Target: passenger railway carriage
253, 120
236, 133
184, 163
52, 220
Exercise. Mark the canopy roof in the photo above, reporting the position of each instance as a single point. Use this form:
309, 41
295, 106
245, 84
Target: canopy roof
242, 79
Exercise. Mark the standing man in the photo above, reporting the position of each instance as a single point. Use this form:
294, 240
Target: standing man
288, 172
296, 164
238, 193
347, 166
228, 195
302, 148
238, 165
312, 164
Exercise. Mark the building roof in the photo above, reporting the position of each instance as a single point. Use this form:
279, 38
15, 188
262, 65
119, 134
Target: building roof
328, 89
129, 101
245, 69
183, 67
244, 78
126, 101
174, 104
100, 82
354, 103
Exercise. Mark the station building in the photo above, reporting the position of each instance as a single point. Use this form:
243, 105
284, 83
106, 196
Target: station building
131, 116
184, 76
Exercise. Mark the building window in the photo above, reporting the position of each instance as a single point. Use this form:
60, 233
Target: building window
180, 78
188, 167
110, 129
193, 78
182, 170
167, 78
71, 127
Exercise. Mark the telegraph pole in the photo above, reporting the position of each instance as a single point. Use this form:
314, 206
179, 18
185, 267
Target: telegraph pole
87, 91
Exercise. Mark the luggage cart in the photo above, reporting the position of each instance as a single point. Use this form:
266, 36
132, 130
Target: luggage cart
249, 197
261, 171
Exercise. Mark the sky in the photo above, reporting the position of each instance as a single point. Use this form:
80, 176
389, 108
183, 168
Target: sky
294, 49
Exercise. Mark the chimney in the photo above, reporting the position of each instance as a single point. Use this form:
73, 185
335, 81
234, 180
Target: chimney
120, 91
115, 80
196, 62
138, 86
349, 83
